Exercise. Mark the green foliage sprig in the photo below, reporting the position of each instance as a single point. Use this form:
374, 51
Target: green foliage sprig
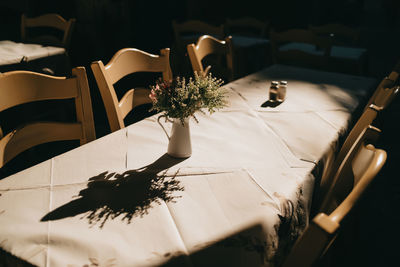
181, 98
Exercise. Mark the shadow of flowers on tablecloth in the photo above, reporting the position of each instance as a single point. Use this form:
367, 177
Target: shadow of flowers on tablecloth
129, 194
292, 222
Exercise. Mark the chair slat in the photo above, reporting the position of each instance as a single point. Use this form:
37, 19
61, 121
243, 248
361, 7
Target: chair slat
20, 87
35, 134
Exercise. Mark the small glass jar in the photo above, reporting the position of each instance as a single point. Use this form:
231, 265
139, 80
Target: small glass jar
273, 91
282, 91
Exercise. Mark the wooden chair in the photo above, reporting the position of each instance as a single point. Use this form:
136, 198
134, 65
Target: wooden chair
246, 26
48, 21
188, 32
208, 45
355, 174
377, 104
381, 97
127, 61
368, 117
300, 47
346, 54
53, 31
21, 87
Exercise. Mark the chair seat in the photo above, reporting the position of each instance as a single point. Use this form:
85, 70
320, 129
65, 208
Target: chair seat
346, 52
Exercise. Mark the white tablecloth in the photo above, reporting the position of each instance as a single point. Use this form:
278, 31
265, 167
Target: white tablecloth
13, 53
241, 199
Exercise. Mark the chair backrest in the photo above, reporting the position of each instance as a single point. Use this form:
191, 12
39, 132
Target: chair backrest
208, 45
188, 32
300, 47
246, 26
352, 168
21, 87
340, 34
48, 21
127, 61
381, 97
195, 28
355, 174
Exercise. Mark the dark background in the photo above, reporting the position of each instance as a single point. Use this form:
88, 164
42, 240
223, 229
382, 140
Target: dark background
105, 26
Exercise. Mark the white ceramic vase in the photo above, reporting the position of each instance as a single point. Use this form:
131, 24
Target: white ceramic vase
180, 145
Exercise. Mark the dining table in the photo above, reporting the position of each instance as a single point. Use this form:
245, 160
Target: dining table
242, 198
30, 56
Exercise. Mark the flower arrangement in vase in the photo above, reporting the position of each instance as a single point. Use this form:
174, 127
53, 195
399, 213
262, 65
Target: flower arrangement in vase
180, 99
